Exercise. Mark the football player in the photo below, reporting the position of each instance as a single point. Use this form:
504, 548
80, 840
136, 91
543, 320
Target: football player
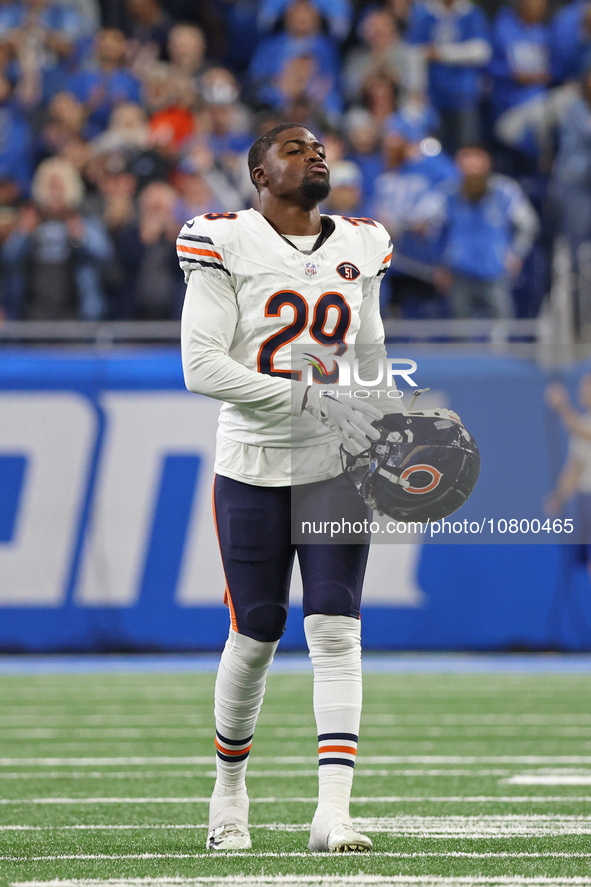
257, 282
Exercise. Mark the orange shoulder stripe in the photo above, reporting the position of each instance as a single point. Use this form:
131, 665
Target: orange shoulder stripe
192, 250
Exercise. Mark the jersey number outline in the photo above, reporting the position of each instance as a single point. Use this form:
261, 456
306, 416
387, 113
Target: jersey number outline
215, 217
288, 333
357, 220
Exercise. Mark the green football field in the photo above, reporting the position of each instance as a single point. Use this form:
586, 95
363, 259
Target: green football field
461, 779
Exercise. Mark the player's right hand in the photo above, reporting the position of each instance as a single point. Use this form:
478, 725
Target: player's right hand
349, 421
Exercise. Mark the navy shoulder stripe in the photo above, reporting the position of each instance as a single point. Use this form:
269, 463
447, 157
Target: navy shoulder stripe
196, 238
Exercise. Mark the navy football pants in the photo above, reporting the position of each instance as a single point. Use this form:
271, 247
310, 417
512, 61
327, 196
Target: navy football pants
254, 531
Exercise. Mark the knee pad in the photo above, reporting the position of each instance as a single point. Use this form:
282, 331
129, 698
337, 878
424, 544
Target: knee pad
266, 622
252, 653
333, 639
333, 592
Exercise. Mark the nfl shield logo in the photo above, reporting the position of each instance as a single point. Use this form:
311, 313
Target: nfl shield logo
310, 268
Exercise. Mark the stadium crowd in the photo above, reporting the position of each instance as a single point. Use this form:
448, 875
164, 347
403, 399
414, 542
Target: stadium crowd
467, 135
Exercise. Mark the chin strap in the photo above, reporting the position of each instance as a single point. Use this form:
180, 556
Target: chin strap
414, 397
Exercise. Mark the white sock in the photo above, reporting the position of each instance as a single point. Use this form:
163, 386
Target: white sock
239, 691
335, 650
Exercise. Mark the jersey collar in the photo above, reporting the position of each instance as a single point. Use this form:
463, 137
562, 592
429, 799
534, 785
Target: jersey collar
326, 230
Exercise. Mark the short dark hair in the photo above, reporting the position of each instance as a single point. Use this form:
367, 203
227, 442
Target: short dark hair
263, 143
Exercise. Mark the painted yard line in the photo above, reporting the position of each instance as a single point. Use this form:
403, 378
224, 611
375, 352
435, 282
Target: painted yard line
146, 733
539, 778
373, 720
475, 828
456, 827
95, 733
315, 881
142, 761
395, 799
295, 854
549, 779
272, 716
252, 773
130, 774
321, 880
135, 760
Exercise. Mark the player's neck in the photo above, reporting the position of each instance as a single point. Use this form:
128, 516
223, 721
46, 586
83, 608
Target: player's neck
289, 219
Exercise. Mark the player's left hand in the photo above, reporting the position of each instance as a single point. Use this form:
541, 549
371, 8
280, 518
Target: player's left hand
351, 424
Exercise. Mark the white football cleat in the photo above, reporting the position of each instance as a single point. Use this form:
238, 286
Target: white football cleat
228, 823
333, 832
229, 837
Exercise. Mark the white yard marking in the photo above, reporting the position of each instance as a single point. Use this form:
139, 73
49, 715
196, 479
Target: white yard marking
314, 881
96, 733
127, 719
549, 779
252, 774
240, 854
473, 827
476, 827
142, 761
394, 799
135, 774
33, 715
141, 732
138, 761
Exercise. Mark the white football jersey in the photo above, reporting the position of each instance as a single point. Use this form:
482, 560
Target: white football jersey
251, 296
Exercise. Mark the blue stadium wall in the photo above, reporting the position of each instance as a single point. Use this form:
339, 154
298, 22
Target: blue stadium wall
107, 541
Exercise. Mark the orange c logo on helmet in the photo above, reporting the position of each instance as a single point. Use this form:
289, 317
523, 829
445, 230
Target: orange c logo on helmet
435, 475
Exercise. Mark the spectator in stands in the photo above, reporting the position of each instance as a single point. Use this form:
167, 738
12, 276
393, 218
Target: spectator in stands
242, 33
382, 52
106, 82
168, 99
346, 194
8, 308
196, 196
487, 228
520, 64
201, 161
572, 175
302, 39
51, 30
400, 12
380, 97
534, 113
186, 51
15, 141
363, 136
45, 42
152, 284
127, 132
301, 85
413, 166
54, 253
148, 26
65, 122
337, 13
452, 36
114, 201
225, 121
570, 40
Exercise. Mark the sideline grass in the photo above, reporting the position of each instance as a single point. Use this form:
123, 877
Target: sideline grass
461, 779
